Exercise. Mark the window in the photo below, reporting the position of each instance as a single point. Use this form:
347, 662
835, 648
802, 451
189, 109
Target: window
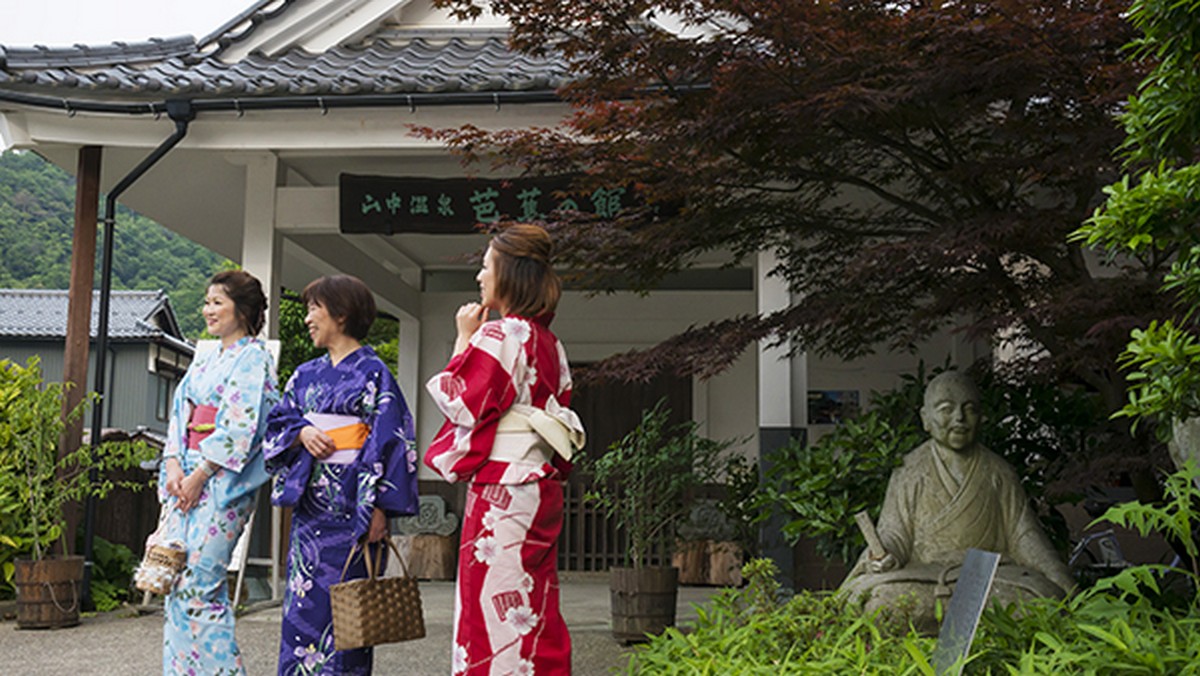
166, 391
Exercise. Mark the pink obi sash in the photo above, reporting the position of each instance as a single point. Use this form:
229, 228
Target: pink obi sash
201, 426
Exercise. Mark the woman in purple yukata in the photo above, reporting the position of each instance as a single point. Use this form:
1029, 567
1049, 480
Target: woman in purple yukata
340, 444
212, 467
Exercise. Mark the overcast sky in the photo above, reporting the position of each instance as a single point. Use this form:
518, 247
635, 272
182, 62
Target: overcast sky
59, 23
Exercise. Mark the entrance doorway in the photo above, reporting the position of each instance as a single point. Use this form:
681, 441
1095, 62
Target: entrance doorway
609, 411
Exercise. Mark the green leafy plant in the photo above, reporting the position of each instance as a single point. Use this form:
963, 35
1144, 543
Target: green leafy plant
1176, 518
1150, 215
821, 487
1163, 374
112, 573
644, 481
31, 424
748, 631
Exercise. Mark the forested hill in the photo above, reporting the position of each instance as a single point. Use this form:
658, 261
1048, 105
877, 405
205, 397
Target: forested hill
37, 212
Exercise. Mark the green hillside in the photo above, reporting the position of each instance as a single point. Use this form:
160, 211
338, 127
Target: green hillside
37, 211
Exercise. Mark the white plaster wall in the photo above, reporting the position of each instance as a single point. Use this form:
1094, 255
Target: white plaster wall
592, 328
882, 372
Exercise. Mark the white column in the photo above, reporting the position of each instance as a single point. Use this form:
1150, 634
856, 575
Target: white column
777, 399
409, 369
262, 249
261, 243
774, 364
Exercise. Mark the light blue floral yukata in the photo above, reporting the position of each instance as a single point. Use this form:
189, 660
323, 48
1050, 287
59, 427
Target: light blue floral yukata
239, 381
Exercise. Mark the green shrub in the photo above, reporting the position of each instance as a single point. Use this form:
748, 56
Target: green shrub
112, 572
35, 483
742, 632
1119, 626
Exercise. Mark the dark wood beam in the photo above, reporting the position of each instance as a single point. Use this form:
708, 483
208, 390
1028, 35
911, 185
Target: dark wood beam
79, 305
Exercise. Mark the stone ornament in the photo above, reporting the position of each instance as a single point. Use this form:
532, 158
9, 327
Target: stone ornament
431, 519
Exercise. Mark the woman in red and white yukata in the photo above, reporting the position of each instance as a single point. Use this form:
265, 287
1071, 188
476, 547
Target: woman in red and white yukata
509, 435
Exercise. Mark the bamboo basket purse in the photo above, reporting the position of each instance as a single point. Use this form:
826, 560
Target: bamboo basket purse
163, 561
375, 610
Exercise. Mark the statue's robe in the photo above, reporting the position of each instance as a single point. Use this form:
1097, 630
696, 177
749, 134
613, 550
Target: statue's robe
930, 519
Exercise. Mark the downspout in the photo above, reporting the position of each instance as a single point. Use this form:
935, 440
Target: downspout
182, 112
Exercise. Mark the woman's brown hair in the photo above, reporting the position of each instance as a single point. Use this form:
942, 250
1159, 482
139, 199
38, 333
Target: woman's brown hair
346, 299
525, 281
246, 292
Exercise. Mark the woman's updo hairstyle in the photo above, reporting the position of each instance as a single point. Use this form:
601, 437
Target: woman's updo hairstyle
525, 281
246, 292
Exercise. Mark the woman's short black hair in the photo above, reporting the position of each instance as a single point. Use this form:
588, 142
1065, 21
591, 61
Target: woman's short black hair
246, 292
346, 299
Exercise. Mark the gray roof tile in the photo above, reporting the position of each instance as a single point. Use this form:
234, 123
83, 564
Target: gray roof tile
170, 69
37, 313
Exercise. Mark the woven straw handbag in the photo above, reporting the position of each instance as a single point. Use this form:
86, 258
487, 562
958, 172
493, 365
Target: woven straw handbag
162, 562
375, 610
160, 566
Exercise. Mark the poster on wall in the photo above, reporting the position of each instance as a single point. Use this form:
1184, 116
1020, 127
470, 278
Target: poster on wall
830, 407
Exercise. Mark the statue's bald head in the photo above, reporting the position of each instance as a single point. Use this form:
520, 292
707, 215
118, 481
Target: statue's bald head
955, 380
951, 411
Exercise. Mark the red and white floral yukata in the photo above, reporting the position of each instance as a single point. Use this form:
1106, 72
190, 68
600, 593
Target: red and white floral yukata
507, 618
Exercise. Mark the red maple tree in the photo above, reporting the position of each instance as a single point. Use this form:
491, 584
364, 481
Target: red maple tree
916, 166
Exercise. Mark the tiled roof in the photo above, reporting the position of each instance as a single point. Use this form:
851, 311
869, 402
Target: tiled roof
175, 68
33, 313
90, 56
243, 25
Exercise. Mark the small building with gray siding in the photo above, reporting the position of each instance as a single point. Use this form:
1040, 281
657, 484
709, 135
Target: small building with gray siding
147, 352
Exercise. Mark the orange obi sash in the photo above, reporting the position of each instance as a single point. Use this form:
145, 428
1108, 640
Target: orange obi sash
348, 434
349, 437
201, 425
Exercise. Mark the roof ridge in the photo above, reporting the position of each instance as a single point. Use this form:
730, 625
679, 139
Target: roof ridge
226, 34
89, 56
122, 292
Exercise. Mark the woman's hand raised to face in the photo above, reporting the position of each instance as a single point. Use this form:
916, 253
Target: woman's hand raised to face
468, 319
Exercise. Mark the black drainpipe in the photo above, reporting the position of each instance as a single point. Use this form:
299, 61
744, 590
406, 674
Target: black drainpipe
182, 112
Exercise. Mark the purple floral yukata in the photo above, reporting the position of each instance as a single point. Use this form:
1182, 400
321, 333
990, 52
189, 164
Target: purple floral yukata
332, 503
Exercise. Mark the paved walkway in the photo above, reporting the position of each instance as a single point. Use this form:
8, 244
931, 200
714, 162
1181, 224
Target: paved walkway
123, 643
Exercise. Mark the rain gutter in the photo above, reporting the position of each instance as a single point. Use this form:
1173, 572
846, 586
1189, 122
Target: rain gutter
320, 102
182, 113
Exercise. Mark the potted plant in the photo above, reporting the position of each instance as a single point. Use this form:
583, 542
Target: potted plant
644, 482
31, 424
719, 534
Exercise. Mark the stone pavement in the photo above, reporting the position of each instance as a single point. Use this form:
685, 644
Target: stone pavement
125, 643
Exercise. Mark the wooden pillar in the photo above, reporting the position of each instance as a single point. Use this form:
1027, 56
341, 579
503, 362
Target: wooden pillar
79, 305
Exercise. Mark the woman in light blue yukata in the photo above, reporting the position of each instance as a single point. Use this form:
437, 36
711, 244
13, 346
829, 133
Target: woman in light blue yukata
212, 466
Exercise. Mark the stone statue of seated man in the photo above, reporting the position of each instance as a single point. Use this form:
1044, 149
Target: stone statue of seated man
950, 495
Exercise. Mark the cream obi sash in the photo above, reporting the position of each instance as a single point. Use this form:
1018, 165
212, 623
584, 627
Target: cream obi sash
348, 433
530, 434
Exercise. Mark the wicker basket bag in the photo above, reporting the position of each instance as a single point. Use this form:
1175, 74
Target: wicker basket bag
375, 610
163, 561
160, 566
